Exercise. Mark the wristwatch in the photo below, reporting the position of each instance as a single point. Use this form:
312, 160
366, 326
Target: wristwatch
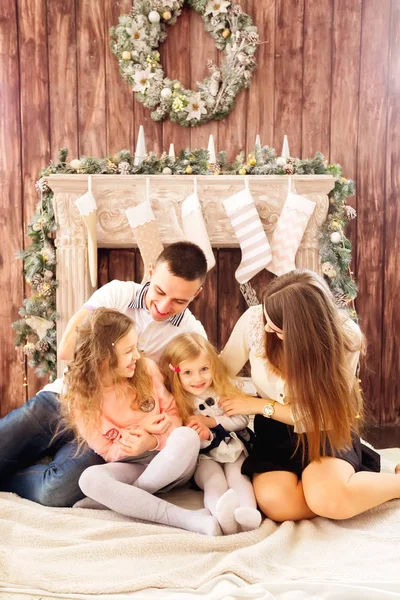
269, 409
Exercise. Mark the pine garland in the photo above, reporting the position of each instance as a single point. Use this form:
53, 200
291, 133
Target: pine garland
35, 330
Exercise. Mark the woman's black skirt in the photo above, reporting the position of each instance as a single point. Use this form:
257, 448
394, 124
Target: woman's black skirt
275, 450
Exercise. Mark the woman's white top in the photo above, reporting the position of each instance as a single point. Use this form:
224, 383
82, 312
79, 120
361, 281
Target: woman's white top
247, 343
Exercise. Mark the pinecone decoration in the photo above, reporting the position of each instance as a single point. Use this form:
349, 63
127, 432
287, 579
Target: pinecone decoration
29, 348
44, 289
36, 280
124, 168
215, 168
41, 185
289, 168
351, 213
41, 346
340, 298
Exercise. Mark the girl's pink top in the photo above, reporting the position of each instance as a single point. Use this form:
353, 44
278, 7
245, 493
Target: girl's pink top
118, 419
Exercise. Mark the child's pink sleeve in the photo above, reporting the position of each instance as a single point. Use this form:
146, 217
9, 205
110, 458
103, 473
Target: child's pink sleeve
166, 402
107, 448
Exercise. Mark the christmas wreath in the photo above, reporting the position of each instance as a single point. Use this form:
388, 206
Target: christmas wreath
135, 41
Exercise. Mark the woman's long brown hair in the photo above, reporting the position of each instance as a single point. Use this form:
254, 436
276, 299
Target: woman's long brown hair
313, 359
188, 346
94, 346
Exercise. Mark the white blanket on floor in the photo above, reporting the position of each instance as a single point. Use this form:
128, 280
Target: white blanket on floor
75, 553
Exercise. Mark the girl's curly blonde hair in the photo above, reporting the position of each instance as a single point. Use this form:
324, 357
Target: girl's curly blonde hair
95, 344
189, 346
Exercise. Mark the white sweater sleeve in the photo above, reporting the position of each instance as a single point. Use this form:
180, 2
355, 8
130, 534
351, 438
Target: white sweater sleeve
236, 352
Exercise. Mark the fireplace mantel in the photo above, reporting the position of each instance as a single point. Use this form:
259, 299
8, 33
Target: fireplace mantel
115, 193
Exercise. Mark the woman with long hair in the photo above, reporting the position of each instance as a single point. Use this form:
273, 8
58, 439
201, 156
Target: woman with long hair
117, 403
307, 459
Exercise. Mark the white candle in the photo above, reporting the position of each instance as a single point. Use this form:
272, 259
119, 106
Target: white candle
211, 150
257, 145
285, 147
140, 152
171, 152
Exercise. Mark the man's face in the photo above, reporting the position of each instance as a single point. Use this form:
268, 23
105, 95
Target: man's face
169, 295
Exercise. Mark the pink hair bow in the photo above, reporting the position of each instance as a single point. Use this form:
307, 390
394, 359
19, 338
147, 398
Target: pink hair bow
174, 369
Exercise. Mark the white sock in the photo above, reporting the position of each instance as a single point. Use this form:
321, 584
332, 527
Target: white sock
225, 512
248, 518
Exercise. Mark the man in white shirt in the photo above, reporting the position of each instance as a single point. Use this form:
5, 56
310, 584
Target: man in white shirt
159, 309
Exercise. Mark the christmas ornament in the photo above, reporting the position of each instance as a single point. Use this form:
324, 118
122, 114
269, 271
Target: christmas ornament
242, 171
75, 164
154, 16
188, 170
167, 171
336, 237
281, 161
136, 38
166, 93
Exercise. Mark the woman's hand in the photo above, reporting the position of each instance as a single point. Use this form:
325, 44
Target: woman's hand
241, 405
202, 430
136, 441
158, 424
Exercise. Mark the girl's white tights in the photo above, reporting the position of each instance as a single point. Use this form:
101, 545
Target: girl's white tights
228, 495
128, 489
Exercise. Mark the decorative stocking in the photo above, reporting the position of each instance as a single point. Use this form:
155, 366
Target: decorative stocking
288, 232
256, 251
88, 210
194, 227
141, 219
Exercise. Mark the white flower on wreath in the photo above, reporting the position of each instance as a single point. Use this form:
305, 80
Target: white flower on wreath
137, 33
142, 80
196, 107
216, 7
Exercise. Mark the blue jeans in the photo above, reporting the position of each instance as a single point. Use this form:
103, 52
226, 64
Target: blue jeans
26, 435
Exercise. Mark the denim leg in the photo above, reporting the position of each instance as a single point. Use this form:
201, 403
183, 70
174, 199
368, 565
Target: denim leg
55, 484
27, 434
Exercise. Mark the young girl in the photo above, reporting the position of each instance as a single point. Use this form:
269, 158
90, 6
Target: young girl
119, 406
197, 379
307, 458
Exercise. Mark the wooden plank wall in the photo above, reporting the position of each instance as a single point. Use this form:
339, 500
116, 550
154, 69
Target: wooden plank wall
328, 77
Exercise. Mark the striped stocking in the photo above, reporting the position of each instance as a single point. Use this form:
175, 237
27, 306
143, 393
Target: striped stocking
289, 230
256, 251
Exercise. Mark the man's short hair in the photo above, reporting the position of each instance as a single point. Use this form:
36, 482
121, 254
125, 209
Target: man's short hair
185, 260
